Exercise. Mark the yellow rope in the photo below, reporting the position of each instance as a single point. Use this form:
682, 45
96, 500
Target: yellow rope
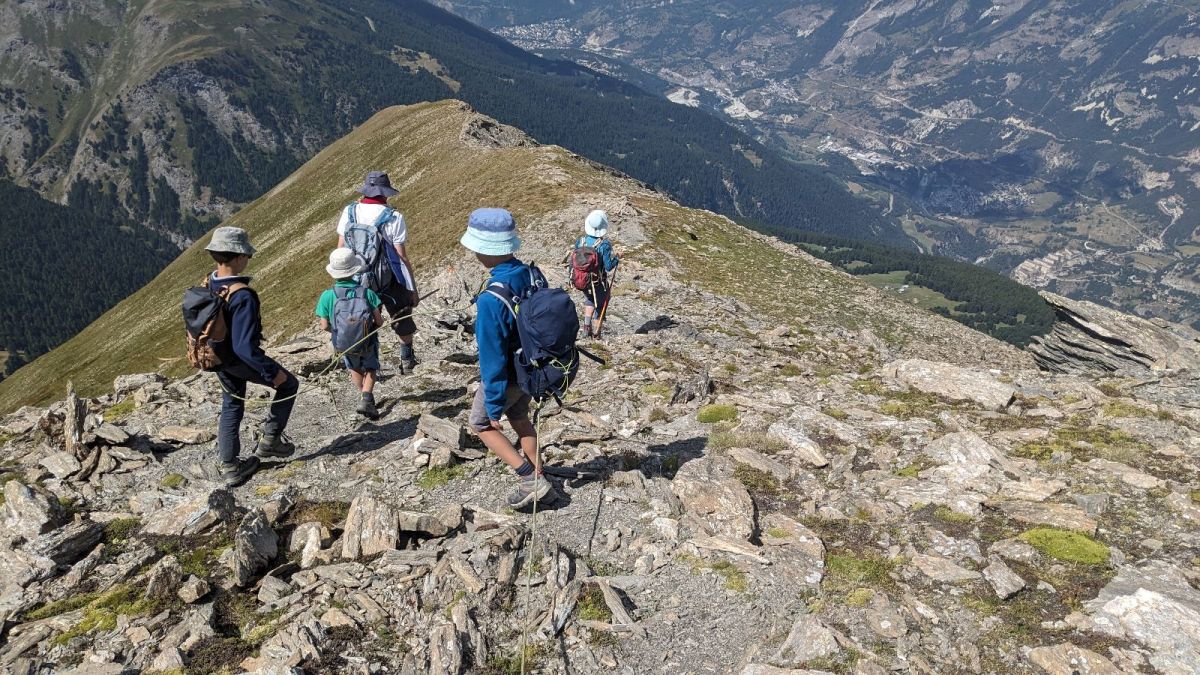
332, 362
537, 472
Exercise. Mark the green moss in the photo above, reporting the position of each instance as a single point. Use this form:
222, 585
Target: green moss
100, 614
659, 415
758, 483
120, 411
836, 413
1195, 495
909, 471
717, 412
1126, 409
778, 532
869, 387
790, 370
431, 479
266, 490
5, 438
754, 440
729, 367
329, 513
172, 481
859, 597
591, 606
1067, 546
735, 579
657, 389
948, 515
117, 536
61, 606
845, 572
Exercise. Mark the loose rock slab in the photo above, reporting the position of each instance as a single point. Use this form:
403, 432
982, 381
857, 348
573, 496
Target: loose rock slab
952, 382
1067, 659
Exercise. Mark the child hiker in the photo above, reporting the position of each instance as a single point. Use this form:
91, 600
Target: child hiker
591, 261
348, 312
491, 234
231, 250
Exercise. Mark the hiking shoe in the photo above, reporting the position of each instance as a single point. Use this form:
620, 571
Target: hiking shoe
367, 408
408, 360
531, 489
235, 473
274, 446
587, 331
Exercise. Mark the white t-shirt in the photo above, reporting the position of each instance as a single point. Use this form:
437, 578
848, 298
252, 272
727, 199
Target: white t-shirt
394, 230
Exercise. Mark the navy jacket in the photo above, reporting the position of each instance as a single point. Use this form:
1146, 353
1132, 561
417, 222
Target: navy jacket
245, 328
496, 335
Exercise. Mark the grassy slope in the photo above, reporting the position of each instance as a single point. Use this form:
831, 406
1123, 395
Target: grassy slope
441, 180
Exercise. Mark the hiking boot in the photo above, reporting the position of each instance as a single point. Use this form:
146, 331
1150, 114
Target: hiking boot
587, 331
274, 446
408, 359
235, 473
367, 408
531, 489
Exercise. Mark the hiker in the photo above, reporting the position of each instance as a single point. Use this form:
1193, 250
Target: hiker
491, 235
350, 313
378, 233
590, 263
231, 250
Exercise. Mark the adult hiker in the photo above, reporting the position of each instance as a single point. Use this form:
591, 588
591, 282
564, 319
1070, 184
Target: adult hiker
242, 360
591, 262
379, 234
492, 235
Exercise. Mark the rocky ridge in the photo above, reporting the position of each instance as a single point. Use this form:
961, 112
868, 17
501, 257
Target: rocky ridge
732, 503
797, 476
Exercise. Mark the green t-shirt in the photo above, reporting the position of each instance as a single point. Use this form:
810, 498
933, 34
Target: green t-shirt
328, 298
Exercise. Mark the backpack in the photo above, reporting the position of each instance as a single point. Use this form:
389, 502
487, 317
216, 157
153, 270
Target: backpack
353, 318
586, 266
206, 320
547, 359
368, 242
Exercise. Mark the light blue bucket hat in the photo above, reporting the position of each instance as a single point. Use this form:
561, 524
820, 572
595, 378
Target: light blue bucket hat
491, 232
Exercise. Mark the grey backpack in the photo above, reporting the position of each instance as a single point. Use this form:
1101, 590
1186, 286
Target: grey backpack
353, 318
366, 239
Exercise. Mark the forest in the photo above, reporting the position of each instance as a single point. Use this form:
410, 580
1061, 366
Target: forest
986, 300
50, 254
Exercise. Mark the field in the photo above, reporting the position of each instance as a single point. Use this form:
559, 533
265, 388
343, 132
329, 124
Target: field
893, 282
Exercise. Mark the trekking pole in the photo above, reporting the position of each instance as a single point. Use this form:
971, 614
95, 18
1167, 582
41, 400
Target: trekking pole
537, 470
607, 298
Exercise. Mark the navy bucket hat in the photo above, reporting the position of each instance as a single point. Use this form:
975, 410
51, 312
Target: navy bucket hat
377, 184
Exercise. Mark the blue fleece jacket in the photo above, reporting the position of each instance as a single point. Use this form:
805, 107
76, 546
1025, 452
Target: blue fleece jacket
604, 248
496, 335
245, 328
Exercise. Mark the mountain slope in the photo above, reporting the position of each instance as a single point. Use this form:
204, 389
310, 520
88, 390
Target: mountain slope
446, 161
1063, 137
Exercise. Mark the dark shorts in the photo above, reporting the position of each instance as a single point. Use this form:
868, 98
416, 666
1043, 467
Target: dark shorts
397, 300
516, 407
595, 298
365, 358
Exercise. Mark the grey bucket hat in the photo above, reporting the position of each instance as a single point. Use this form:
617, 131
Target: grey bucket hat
377, 184
230, 240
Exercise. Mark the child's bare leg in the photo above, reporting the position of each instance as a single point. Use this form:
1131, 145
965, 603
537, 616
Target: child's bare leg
527, 437
498, 443
357, 378
367, 385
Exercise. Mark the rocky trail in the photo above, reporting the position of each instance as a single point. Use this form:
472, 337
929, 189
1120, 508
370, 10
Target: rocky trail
736, 498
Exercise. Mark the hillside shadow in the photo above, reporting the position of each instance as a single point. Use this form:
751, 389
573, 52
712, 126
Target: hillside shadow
370, 436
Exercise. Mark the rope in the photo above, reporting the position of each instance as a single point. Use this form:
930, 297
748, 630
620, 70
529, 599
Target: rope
332, 362
537, 471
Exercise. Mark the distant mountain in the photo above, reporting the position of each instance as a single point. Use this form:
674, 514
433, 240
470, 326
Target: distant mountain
64, 267
1058, 141
168, 116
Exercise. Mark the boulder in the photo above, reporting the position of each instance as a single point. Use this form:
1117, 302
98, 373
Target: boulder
716, 501
61, 464
1004, 581
254, 545
761, 462
125, 384
443, 431
952, 382
23, 568
942, 570
111, 434
1155, 605
304, 531
193, 589
164, 579
192, 516
185, 435
803, 447
809, 639
76, 416
371, 527
68, 543
1089, 339
1066, 516
26, 513
1067, 659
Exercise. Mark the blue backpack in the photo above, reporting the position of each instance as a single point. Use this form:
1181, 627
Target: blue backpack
547, 325
368, 242
353, 318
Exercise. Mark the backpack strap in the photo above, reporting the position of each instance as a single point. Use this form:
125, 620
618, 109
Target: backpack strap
226, 292
504, 293
351, 219
384, 216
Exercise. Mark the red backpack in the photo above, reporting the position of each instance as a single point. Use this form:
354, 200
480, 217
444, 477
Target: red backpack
586, 266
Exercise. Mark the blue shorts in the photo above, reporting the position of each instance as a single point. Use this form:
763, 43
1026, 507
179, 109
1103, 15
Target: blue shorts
365, 358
